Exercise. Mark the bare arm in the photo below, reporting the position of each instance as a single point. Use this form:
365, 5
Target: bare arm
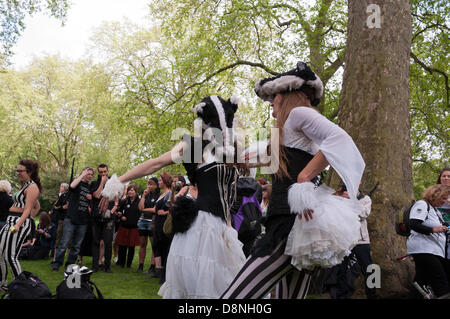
313, 168
152, 165
141, 205
141, 202
77, 180
98, 193
35, 209
146, 168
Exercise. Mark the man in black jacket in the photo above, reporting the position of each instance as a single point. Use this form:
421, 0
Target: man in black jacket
58, 213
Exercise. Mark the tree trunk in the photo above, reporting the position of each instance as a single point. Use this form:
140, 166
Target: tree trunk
374, 110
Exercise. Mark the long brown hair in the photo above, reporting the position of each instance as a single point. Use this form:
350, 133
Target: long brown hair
44, 219
289, 101
33, 170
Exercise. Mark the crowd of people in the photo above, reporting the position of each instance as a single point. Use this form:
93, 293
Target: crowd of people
218, 232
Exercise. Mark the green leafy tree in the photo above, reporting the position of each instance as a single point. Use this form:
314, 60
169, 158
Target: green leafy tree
12, 16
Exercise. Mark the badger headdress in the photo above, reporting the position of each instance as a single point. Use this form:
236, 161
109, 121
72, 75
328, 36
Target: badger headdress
216, 113
292, 80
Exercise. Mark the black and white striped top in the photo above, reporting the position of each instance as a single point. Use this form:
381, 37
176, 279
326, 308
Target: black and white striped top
19, 198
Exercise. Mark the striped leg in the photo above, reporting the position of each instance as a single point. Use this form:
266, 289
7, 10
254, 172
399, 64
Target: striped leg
259, 275
3, 267
11, 245
24, 231
294, 285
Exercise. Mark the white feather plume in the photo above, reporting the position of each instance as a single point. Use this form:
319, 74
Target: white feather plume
198, 108
113, 188
302, 196
235, 99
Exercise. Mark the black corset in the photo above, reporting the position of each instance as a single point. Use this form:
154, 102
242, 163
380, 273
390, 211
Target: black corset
296, 161
216, 188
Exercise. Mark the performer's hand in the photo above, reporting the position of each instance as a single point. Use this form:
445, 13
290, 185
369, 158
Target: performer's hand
103, 205
16, 228
162, 212
308, 215
104, 178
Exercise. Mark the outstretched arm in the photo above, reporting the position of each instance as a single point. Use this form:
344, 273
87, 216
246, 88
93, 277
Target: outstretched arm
152, 165
146, 168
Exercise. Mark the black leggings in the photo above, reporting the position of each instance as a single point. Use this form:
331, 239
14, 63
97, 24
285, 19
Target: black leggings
432, 270
123, 258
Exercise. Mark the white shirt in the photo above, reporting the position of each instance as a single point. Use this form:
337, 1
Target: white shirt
310, 131
433, 243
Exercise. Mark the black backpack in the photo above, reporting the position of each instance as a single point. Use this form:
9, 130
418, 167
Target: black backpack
402, 227
251, 225
28, 286
85, 289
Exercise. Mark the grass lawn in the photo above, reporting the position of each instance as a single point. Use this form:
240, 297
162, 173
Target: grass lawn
123, 283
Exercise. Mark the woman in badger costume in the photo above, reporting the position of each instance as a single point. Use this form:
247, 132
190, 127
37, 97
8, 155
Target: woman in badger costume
205, 254
307, 227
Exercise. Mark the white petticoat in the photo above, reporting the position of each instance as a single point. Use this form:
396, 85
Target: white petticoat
203, 261
329, 236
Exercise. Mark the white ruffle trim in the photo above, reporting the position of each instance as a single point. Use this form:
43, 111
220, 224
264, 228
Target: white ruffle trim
203, 261
329, 236
302, 197
113, 188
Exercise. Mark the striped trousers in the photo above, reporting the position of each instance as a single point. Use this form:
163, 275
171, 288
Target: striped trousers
260, 275
10, 245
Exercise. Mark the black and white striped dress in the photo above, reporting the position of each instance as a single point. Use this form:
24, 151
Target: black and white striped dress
204, 260
11, 243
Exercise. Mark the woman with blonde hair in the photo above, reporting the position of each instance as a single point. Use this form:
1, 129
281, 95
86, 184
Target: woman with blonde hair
427, 242
306, 227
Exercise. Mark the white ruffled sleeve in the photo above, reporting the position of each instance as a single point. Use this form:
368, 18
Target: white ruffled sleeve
336, 145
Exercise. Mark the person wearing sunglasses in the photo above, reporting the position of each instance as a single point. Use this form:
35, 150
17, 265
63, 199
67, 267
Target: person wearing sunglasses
18, 224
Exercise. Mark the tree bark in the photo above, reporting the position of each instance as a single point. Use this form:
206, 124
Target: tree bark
374, 110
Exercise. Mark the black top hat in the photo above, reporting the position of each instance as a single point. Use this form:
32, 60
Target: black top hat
292, 80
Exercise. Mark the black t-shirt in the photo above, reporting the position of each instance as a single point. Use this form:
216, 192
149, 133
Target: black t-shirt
78, 210
96, 214
150, 201
6, 202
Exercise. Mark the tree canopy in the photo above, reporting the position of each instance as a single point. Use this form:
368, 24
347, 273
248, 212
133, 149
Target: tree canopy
121, 105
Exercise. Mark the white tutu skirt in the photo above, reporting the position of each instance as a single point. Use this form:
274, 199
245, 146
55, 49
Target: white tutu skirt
203, 261
329, 236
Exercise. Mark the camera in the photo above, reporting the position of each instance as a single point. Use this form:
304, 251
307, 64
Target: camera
178, 185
